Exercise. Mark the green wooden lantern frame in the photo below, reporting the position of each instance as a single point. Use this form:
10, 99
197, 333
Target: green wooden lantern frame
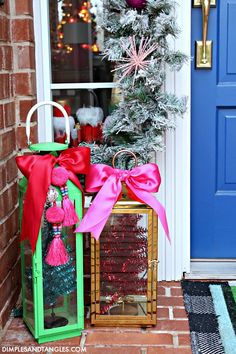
36, 322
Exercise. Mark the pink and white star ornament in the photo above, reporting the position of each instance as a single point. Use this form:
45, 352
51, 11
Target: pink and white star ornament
136, 56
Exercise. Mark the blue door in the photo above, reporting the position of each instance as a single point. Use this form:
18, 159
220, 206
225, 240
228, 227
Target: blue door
213, 133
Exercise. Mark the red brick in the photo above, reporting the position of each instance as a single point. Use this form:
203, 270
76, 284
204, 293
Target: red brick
24, 84
170, 301
4, 29
16, 324
5, 7
8, 257
9, 228
9, 114
24, 7
170, 284
7, 143
126, 338
11, 169
5, 86
25, 106
176, 292
22, 30
10, 283
3, 177
4, 316
112, 350
179, 313
1, 117
172, 325
162, 312
6, 58
20, 337
26, 57
184, 339
161, 290
8, 200
168, 350
22, 139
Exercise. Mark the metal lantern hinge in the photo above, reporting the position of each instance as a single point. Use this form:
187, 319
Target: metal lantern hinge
37, 272
153, 263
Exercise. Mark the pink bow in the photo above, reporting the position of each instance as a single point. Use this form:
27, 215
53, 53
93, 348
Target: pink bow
140, 182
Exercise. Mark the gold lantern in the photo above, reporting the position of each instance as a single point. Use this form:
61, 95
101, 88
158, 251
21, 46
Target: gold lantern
124, 266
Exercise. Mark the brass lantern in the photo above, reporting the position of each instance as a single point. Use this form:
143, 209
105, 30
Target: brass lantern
124, 267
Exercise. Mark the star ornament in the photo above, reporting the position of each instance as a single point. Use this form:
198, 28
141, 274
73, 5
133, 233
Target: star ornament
136, 56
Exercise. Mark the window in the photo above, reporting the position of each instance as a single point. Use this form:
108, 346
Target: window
70, 67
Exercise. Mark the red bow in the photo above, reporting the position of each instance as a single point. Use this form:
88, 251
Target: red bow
37, 169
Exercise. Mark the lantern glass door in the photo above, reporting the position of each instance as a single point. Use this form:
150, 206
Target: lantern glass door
124, 279
53, 295
59, 283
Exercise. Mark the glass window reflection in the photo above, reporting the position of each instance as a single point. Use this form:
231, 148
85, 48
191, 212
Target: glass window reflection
76, 43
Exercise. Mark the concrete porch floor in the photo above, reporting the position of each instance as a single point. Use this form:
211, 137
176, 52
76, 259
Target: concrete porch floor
170, 336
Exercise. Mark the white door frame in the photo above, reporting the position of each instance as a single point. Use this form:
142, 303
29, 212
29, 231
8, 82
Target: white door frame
174, 163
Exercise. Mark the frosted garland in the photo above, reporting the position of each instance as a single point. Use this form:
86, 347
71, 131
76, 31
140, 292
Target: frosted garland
145, 112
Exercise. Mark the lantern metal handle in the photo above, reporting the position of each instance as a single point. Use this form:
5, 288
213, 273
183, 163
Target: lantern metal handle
51, 103
128, 152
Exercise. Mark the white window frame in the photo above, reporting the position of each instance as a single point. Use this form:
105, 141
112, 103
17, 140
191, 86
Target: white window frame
174, 163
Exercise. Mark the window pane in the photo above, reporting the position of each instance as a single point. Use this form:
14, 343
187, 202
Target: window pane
89, 108
76, 43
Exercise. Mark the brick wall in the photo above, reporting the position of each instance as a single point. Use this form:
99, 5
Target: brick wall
17, 94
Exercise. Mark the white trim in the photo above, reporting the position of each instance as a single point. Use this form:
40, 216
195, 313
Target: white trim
83, 86
175, 166
212, 269
43, 68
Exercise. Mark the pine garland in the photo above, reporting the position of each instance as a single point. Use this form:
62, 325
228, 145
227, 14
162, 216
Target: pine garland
145, 111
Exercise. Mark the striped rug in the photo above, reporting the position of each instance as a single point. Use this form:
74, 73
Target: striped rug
211, 309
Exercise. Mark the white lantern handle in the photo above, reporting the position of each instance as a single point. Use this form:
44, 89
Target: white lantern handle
54, 104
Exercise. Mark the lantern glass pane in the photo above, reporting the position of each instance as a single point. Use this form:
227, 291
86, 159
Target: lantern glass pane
59, 282
124, 265
28, 284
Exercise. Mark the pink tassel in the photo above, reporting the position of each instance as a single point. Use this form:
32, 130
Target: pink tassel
71, 217
59, 178
57, 254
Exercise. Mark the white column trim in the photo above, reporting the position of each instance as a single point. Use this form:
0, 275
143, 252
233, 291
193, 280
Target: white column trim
175, 165
43, 68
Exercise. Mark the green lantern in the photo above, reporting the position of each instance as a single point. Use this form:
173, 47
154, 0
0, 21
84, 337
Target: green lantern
53, 306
